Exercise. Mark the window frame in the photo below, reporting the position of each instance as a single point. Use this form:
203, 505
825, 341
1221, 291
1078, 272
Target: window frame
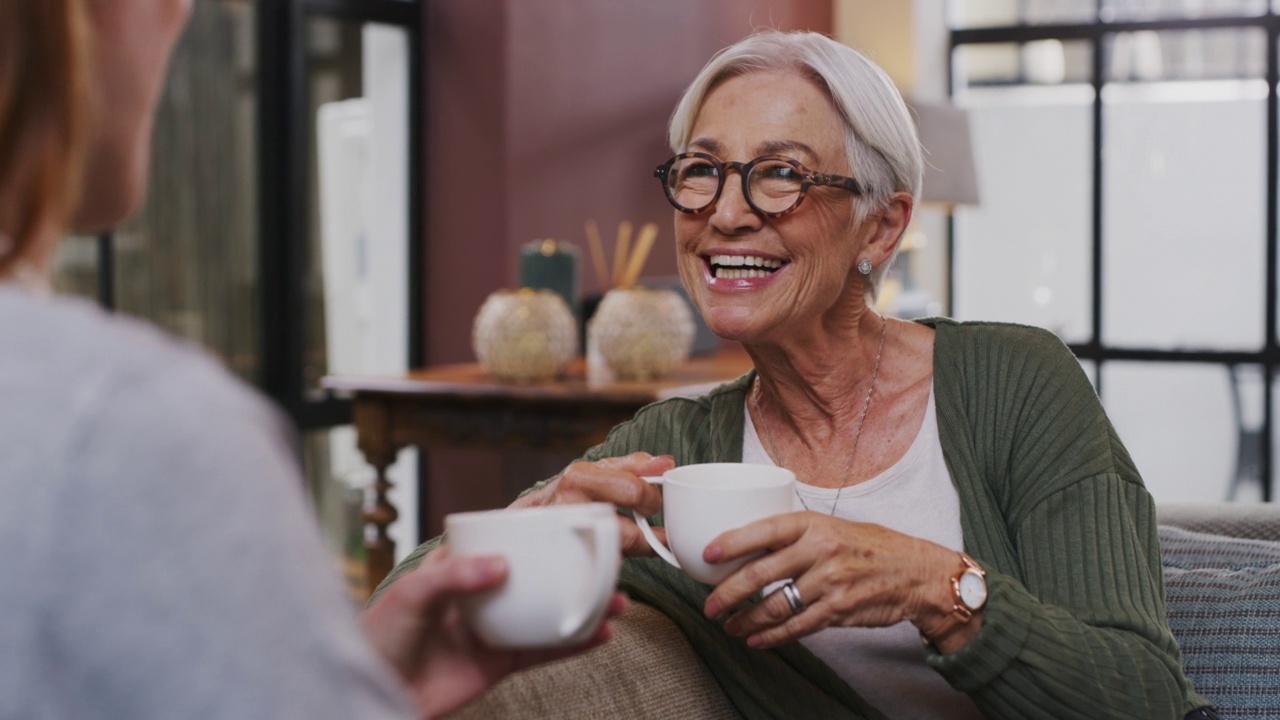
1096, 32
284, 167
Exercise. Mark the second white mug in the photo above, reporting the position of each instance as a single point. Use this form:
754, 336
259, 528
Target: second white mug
701, 501
562, 567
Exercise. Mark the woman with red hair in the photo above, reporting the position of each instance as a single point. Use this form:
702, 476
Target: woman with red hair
160, 560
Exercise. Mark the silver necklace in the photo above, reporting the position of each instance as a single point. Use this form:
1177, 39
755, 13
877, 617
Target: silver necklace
844, 477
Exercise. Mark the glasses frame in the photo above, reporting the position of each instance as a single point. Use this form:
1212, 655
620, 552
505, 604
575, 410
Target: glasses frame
808, 179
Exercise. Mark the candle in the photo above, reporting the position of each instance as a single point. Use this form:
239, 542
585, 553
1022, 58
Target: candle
554, 266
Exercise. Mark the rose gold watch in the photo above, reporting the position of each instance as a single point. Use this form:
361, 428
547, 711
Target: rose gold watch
969, 595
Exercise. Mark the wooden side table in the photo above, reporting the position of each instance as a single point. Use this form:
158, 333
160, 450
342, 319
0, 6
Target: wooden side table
462, 406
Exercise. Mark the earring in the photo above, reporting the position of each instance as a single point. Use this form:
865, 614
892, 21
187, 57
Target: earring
864, 266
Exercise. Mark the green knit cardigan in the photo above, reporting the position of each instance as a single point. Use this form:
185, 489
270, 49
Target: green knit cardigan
1051, 506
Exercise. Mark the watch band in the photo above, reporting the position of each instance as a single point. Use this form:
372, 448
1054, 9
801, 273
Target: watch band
960, 613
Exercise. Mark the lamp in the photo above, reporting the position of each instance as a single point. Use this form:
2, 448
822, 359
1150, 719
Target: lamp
950, 179
949, 175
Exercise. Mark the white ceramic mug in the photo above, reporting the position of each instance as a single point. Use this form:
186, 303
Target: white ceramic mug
699, 502
562, 567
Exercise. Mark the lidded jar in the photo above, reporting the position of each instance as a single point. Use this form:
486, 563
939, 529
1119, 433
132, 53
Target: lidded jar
525, 335
643, 333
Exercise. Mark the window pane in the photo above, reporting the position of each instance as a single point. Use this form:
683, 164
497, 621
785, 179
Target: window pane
357, 275
1041, 62
1179, 423
989, 13
1275, 439
1184, 221
1219, 54
1023, 254
1091, 371
1276, 330
1247, 393
1120, 10
188, 261
75, 267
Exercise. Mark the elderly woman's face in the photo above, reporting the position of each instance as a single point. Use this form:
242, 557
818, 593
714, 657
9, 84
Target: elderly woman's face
755, 277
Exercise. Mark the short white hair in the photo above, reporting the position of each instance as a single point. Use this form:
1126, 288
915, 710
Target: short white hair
881, 142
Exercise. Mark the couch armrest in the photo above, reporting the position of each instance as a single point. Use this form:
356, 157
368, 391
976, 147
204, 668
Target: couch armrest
648, 670
1255, 521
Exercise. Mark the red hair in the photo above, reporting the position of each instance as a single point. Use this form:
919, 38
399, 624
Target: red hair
43, 117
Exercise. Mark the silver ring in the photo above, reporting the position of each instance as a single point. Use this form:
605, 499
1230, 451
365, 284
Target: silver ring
792, 594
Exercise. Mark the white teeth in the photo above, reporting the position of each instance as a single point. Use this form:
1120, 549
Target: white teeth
726, 261
722, 273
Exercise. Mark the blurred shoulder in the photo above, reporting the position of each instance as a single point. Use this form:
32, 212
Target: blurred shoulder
698, 404
956, 339
70, 354
693, 428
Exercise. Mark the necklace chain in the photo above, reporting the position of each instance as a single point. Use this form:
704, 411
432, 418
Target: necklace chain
844, 477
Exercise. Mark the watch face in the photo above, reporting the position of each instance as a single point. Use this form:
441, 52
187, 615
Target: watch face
973, 590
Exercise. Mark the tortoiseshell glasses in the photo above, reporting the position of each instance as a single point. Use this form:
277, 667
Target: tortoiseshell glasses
773, 185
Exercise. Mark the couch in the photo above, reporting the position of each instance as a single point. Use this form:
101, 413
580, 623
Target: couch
1222, 577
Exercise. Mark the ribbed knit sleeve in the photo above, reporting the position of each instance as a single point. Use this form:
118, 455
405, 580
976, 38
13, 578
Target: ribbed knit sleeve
1055, 511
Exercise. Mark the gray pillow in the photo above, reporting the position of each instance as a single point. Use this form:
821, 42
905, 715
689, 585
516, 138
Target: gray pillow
1224, 609
1195, 550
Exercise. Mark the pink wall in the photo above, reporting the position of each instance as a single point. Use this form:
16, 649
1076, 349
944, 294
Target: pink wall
540, 115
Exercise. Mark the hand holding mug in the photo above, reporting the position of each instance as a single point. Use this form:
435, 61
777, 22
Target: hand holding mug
614, 480
702, 501
848, 574
562, 561
417, 625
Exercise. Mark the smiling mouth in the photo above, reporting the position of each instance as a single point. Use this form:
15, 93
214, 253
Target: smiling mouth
734, 267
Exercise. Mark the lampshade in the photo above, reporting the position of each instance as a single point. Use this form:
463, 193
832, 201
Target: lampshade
949, 175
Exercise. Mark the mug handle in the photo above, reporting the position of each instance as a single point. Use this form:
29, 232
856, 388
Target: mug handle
602, 577
645, 530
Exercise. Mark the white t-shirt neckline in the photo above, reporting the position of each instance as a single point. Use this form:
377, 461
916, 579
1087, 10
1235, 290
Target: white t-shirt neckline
914, 496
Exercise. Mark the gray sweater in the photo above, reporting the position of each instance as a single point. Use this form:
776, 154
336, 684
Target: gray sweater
158, 558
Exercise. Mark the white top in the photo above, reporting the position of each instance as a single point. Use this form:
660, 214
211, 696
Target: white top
915, 497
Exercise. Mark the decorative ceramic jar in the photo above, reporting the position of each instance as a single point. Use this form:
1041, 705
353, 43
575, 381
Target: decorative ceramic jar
525, 335
643, 333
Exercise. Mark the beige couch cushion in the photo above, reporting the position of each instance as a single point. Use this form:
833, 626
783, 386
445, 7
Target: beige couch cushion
648, 670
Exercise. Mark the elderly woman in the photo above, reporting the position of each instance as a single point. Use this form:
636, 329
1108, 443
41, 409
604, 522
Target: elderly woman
970, 538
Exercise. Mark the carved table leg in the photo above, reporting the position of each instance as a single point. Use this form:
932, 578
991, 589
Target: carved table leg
372, 417
378, 514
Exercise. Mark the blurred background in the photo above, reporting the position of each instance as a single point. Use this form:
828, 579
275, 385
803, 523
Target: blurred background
337, 185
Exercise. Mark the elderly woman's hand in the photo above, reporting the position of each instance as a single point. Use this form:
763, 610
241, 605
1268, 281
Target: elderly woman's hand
613, 480
848, 575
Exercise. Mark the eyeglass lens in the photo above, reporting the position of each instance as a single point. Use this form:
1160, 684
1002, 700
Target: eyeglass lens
772, 185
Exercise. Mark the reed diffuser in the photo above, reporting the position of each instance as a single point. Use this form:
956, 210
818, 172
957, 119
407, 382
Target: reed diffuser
638, 333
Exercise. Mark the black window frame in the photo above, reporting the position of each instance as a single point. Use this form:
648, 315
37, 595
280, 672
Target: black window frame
283, 173
1096, 32
283, 170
